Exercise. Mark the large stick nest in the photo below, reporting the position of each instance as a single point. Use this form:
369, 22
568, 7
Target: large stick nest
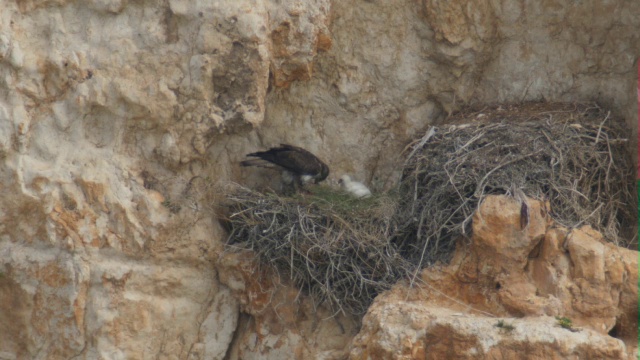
334, 247
572, 155
345, 251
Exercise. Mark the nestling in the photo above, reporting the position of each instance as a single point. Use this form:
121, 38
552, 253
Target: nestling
355, 188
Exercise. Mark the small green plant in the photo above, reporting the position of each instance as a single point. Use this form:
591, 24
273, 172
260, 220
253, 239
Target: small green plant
566, 323
173, 208
504, 326
338, 201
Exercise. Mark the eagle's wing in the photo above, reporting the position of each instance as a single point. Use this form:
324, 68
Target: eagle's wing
297, 160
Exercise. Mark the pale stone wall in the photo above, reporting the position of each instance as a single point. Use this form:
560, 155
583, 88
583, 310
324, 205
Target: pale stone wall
108, 108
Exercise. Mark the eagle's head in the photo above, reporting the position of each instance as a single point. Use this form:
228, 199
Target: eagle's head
324, 172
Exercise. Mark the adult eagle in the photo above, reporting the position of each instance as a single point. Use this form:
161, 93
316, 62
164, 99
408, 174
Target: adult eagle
299, 165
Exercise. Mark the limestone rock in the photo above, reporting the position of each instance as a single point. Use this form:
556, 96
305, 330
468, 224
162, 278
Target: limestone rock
65, 300
278, 321
526, 276
111, 111
103, 255
498, 227
398, 329
396, 67
298, 33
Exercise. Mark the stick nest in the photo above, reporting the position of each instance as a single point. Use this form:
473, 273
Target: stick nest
345, 251
332, 246
569, 154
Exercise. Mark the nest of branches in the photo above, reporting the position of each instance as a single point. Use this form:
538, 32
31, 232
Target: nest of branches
345, 251
332, 246
572, 155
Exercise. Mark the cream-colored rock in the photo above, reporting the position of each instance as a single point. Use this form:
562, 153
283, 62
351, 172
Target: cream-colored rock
128, 307
398, 329
110, 108
43, 293
587, 254
498, 227
392, 59
509, 271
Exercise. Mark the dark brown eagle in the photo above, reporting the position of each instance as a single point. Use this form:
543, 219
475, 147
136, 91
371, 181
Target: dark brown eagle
299, 165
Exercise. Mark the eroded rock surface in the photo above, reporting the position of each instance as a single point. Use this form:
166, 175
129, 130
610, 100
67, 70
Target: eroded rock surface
396, 67
525, 277
410, 330
107, 110
279, 321
110, 109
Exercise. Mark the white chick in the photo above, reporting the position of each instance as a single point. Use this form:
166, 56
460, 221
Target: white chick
355, 188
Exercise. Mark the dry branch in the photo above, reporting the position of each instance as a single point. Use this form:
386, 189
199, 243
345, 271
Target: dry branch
569, 154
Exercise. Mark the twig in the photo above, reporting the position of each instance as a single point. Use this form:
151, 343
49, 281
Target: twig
600, 127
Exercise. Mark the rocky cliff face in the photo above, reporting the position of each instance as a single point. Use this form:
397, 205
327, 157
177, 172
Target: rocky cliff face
109, 108
501, 296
